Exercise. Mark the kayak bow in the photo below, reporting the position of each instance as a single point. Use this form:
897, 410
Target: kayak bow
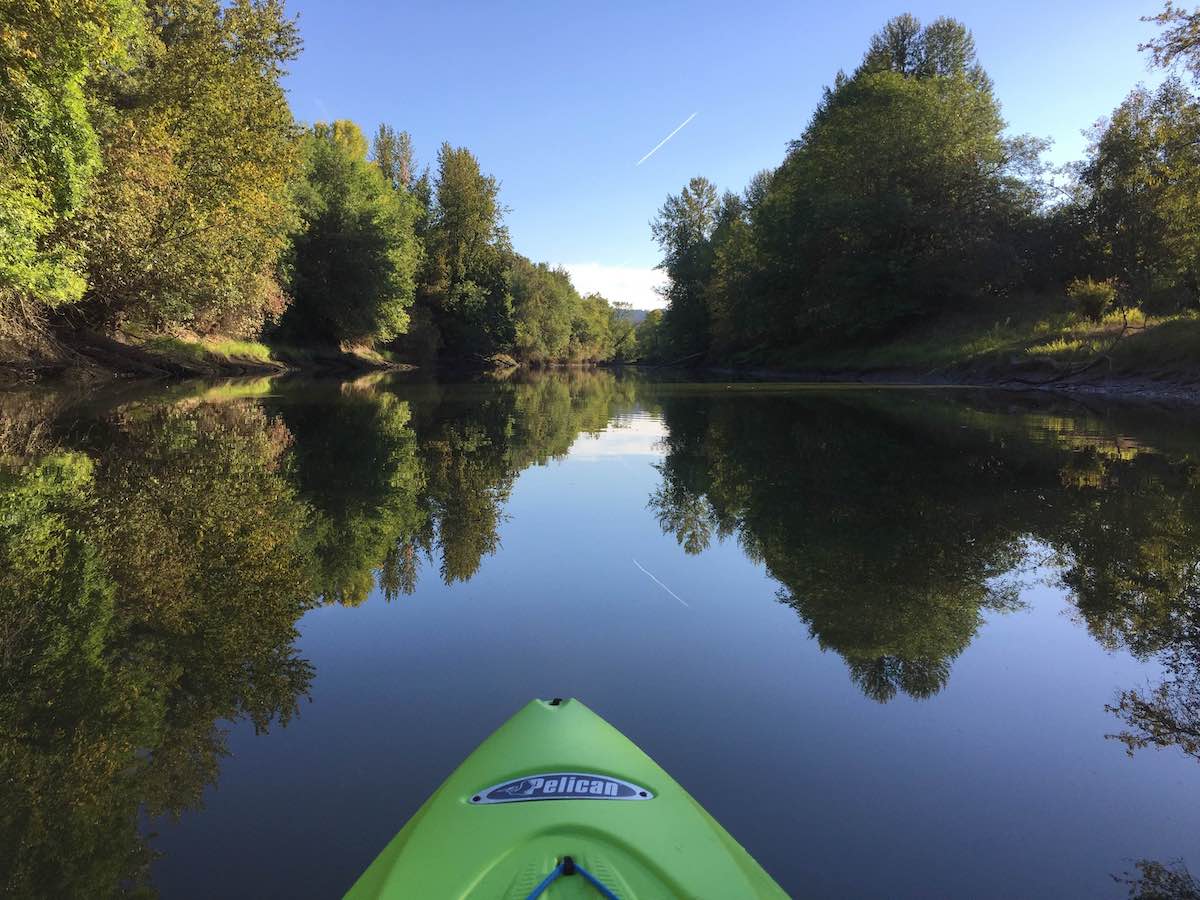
558, 804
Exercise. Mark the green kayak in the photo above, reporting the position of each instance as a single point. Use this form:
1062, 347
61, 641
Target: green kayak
558, 804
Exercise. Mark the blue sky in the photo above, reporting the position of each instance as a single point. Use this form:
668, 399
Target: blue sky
560, 100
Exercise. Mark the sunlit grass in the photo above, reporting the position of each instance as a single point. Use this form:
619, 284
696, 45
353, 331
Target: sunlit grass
1031, 331
1061, 346
230, 349
209, 348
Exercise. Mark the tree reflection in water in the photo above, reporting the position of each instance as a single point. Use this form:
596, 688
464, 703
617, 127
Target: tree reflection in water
157, 553
156, 556
894, 523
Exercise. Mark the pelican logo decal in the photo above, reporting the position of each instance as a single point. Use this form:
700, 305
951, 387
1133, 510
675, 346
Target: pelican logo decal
561, 786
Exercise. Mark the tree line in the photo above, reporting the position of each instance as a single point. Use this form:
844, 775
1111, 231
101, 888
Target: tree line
905, 200
152, 178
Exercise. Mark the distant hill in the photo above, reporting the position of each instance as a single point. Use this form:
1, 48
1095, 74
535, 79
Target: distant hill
633, 315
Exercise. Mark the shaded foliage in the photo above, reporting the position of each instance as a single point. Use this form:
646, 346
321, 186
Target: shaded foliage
683, 229
902, 200
1140, 192
905, 200
355, 256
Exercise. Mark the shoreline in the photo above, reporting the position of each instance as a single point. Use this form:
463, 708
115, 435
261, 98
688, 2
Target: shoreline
89, 359
1175, 387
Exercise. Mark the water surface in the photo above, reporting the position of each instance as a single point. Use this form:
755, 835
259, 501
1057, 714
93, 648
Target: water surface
899, 642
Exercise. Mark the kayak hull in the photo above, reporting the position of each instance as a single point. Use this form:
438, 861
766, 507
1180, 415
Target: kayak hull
554, 781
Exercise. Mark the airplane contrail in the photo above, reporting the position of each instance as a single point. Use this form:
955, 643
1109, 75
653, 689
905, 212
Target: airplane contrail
658, 146
655, 580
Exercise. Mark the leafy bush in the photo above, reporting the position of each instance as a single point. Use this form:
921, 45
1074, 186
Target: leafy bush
355, 257
1092, 299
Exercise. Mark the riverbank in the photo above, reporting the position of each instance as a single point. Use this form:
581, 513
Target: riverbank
1151, 386
88, 356
1034, 346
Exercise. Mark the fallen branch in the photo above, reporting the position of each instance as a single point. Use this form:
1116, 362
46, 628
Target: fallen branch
1100, 357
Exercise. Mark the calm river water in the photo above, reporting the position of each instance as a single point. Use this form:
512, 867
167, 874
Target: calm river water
900, 642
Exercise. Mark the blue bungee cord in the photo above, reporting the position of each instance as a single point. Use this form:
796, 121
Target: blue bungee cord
568, 866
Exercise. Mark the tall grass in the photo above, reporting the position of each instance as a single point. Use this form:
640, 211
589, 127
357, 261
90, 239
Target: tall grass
209, 348
1039, 329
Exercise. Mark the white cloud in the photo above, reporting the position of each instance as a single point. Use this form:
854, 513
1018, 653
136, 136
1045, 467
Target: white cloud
629, 284
628, 436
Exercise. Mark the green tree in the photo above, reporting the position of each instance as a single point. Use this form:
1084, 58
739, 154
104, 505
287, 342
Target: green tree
899, 200
729, 294
463, 281
1141, 197
192, 211
591, 330
552, 323
902, 200
392, 152
1180, 42
346, 136
49, 151
683, 229
651, 341
944, 48
355, 256
544, 302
